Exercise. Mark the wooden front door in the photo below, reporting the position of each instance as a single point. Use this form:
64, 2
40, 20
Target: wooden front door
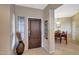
34, 33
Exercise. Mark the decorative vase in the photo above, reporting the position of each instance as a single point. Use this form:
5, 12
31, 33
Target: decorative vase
20, 48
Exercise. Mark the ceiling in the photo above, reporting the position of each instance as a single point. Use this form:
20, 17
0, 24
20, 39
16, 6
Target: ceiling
66, 10
37, 6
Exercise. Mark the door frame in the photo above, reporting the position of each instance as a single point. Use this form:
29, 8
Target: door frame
42, 30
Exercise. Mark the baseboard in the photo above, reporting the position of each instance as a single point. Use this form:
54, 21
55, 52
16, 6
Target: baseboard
46, 49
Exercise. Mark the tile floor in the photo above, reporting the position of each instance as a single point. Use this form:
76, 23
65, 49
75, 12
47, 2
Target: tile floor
61, 49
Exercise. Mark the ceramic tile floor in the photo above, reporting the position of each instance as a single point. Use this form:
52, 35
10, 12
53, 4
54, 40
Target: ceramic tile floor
61, 49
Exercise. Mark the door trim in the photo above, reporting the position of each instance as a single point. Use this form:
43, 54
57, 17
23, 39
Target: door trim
41, 37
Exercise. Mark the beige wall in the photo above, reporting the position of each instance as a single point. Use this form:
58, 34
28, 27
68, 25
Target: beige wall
48, 14
4, 29
66, 25
46, 17
28, 13
75, 23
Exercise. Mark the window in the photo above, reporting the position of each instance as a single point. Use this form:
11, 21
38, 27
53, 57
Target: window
21, 25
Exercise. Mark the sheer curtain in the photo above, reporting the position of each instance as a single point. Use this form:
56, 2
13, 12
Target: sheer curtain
21, 23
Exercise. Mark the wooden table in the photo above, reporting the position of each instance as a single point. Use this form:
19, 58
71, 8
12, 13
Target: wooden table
59, 36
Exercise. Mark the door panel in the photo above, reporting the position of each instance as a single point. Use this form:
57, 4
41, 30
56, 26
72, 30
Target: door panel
34, 33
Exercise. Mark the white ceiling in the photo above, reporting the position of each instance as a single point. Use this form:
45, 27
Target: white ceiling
66, 10
37, 6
